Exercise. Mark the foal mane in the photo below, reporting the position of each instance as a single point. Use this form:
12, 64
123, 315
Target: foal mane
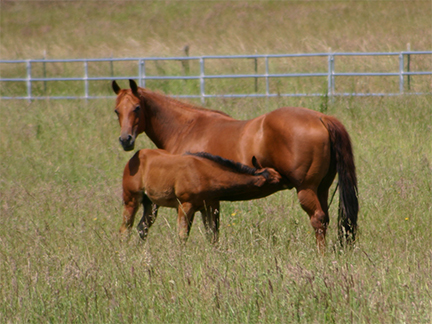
234, 166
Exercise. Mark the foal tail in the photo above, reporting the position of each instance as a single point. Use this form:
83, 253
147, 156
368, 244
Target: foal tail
348, 192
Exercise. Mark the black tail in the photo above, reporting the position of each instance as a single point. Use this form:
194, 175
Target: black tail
348, 191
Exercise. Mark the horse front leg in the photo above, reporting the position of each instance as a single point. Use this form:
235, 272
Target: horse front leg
149, 217
186, 213
210, 217
131, 203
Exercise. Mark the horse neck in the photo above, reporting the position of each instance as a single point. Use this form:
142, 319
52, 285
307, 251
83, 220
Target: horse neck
164, 120
167, 121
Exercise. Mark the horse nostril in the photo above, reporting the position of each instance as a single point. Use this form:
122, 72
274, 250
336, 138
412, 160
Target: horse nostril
127, 139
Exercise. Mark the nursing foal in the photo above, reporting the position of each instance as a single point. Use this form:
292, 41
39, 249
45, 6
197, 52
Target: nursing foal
190, 183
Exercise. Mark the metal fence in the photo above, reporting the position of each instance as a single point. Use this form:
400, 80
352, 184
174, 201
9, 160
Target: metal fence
399, 71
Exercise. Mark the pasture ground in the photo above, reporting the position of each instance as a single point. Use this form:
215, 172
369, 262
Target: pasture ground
61, 259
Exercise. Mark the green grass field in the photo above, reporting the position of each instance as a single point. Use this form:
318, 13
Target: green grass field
61, 260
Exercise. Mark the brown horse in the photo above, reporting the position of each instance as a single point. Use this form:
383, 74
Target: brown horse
306, 147
189, 183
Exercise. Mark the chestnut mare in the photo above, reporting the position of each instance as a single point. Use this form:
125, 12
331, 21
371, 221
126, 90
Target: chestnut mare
190, 183
306, 147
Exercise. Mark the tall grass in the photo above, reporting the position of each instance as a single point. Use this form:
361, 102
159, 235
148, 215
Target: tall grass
61, 259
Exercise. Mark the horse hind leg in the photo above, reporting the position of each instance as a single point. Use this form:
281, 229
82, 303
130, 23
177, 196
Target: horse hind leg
186, 213
319, 218
210, 217
323, 195
149, 217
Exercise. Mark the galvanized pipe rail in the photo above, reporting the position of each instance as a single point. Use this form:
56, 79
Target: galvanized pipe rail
142, 77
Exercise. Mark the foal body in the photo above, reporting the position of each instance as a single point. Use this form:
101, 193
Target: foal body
189, 183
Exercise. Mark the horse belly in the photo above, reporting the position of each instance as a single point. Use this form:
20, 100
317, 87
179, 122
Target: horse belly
158, 185
162, 198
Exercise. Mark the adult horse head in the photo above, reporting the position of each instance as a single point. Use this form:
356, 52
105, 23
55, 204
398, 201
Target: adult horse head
130, 114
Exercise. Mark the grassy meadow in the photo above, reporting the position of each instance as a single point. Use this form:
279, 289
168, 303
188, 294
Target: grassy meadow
61, 260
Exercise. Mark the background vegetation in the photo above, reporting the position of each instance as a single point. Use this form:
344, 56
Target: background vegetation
60, 164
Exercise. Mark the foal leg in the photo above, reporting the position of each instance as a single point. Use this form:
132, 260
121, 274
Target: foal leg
319, 219
210, 217
149, 217
185, 218
131, 203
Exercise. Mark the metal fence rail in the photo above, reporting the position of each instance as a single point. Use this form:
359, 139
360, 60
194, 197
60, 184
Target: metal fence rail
142, 77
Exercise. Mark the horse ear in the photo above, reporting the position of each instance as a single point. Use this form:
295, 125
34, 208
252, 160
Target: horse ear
115, 87
255, 163
133, 87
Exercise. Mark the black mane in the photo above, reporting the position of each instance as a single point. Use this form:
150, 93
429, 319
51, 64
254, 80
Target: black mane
234, 166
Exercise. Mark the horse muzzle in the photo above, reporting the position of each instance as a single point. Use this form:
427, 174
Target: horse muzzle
127, 142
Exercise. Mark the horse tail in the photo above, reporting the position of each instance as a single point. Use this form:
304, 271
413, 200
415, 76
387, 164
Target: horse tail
342, 153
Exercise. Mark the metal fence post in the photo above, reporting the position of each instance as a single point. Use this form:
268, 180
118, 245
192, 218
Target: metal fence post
401, 75
330, 81
29, 85
266, 76
86, 91
44, 73
256, 72
408, 70
408, 66
144, 73
202, 80
333, 76
141, 73
112, 66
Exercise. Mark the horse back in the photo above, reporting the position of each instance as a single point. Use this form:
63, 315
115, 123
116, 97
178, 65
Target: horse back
292, 140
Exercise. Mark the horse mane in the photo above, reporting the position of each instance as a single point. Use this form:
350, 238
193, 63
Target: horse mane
232, 165
176, 102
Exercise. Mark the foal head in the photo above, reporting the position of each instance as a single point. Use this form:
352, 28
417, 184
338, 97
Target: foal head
270, 174
130, 114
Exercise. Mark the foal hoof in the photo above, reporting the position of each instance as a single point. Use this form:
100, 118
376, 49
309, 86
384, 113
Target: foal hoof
143, 234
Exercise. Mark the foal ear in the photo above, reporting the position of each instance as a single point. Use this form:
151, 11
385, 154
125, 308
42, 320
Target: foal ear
133, 87
255, 163
115, 87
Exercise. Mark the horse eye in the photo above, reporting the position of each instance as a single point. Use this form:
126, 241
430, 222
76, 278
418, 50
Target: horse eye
116, 111
137, 108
